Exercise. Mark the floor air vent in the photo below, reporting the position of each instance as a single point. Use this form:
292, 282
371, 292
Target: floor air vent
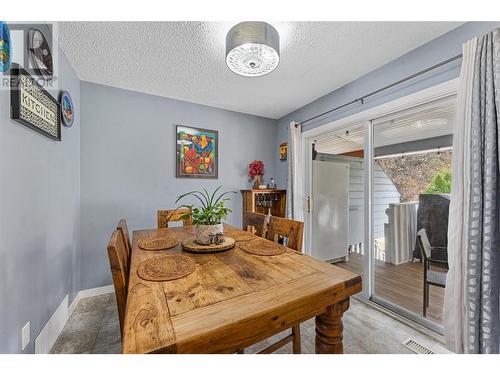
416, 347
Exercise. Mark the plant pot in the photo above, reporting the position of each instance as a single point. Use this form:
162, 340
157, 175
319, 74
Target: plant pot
256, 182
206, 233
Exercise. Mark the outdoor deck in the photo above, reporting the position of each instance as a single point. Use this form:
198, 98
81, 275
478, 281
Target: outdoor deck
401, 285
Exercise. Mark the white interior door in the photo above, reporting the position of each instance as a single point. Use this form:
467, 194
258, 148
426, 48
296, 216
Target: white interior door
330, 210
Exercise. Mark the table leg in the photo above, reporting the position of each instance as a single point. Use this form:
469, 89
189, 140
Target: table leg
329, 329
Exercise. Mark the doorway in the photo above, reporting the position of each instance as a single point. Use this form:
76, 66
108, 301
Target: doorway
337, 209
397, 164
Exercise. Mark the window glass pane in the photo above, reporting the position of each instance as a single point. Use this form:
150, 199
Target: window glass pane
411, 185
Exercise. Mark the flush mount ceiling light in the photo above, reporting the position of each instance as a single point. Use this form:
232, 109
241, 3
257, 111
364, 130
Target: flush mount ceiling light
252, 49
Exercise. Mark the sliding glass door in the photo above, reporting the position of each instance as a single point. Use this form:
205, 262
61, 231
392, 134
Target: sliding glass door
380, 193
410, 187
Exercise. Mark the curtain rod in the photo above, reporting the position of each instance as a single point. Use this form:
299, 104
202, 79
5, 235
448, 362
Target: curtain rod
411, 153
361, 99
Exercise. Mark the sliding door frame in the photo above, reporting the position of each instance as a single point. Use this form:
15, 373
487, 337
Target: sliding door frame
308, 138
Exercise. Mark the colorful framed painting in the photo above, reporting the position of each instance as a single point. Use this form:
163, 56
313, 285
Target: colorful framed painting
5, 48
67, 109
197, 152
283, 151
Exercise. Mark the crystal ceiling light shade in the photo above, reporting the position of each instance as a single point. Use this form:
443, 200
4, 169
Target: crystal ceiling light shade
252, 49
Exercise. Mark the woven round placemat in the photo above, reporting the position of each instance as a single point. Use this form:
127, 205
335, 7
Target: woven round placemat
161, 243
192, 246
166, 267
262, 247
240, 235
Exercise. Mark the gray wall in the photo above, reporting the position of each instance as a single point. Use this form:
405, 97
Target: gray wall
435, 51
128, 162
39, 220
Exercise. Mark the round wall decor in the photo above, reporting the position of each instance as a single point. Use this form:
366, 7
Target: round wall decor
41, 56
67, 109
5, 47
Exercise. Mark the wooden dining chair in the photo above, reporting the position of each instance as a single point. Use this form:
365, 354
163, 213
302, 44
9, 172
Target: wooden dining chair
119, 271
168, 216
122, 226
292, 231
255, 223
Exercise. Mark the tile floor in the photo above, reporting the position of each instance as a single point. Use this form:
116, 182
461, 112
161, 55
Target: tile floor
93, 328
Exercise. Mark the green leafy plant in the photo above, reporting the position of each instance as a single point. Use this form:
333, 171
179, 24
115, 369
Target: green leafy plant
440, 184
211, 210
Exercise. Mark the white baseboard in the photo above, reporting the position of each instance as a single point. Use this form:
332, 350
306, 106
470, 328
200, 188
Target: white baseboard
89, 293
49, 334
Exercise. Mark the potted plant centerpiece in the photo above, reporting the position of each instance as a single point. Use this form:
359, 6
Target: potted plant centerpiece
208, 215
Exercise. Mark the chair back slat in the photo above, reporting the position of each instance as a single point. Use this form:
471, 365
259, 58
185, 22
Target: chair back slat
122, 226
119, 270
168, 216
292, 230
425, 245
255, 222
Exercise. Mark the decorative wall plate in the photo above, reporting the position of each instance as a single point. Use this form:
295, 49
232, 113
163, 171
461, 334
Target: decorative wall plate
5, 47
41, 56
67, 109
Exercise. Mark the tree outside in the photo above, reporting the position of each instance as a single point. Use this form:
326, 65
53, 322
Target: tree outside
416, 174
441, 183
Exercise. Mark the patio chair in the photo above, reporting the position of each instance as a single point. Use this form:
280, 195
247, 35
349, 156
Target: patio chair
435, 276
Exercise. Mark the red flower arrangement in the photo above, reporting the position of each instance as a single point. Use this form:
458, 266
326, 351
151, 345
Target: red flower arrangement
256, 168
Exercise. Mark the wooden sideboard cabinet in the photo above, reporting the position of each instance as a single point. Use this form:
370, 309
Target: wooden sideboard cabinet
265, 201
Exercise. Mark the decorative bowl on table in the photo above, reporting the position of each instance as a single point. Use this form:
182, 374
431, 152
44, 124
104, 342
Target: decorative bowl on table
191, 245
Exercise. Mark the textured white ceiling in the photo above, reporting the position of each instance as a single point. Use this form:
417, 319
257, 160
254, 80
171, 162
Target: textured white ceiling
186, 60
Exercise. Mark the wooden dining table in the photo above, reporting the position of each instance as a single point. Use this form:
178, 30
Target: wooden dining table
233, 299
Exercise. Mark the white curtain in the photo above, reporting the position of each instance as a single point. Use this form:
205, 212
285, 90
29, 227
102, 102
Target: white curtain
458, 228
294, 192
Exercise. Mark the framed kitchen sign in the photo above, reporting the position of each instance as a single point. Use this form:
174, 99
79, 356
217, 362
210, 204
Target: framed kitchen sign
197, 153
32, 106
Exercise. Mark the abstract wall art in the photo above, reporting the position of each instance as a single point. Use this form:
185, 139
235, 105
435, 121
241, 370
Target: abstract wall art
197, 152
